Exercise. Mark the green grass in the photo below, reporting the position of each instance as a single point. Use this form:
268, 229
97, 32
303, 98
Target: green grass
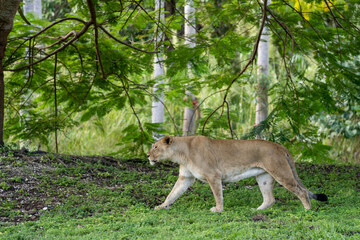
116, 202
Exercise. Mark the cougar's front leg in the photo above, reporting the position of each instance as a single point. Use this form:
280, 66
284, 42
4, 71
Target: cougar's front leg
216, 188
181, 185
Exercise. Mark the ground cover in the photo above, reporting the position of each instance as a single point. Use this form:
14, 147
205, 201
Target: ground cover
47, 196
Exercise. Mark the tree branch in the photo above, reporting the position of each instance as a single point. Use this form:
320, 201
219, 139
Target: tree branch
62, 38
93, 20
57, 22
333, 15
124, 43
304, 19
21, 13
77, 36
343, 18
133, 110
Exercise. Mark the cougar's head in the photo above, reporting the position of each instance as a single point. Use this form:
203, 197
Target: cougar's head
161, 150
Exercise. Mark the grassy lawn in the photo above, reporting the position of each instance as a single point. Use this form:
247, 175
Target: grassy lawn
65, 197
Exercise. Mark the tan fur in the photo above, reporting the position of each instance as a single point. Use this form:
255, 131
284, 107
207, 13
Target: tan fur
216, 161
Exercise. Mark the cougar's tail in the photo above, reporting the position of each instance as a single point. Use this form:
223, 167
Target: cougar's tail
319, 197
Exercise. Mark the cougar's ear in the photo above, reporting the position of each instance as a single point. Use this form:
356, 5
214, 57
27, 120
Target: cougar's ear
168, 140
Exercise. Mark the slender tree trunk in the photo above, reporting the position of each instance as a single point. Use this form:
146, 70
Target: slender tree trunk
7, 14
189, 32
33, 7
262, 74
56, 108
189, 27
2, 88
190, 115
157, 104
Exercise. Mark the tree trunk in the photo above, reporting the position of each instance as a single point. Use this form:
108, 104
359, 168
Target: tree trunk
34, 7
262, 74
190, 115
157, 104
189, 27
189, 121
7, 15
189, 32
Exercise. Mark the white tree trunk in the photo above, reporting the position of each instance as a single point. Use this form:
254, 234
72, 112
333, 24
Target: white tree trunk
262, 74
157, 105
189, 32
189, 27
33, 6
189, 121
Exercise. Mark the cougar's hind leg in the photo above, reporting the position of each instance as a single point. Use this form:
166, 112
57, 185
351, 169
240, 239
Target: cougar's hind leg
266, 185
287, 179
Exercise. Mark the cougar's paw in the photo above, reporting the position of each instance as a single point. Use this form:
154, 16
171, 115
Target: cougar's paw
214, 209
162, 207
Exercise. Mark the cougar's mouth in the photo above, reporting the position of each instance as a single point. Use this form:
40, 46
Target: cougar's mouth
152, 162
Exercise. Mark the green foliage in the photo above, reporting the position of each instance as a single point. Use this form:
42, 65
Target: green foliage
4, 186
55, 9
313, 75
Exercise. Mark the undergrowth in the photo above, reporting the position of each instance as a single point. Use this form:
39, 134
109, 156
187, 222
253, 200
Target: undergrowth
47, 196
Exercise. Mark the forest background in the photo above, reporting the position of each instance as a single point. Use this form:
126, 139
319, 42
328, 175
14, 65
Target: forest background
80, 80
91, 77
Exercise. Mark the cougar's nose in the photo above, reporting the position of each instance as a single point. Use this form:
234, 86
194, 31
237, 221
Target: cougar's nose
148, 155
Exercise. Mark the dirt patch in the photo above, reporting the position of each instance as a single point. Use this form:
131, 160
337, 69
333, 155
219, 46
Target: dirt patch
28, 185
259, 217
